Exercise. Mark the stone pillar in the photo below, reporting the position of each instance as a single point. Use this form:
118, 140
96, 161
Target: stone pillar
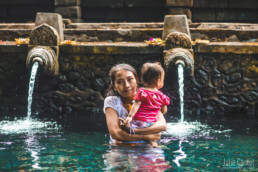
70, 9
175, 23
180, 7
52, 19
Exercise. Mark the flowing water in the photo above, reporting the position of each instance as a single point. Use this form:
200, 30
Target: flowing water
27, 125
181, 89
31, 87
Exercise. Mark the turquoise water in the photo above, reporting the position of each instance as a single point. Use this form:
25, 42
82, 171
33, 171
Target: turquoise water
184, 147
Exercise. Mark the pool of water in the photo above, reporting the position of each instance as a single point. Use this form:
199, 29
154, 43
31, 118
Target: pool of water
185, 146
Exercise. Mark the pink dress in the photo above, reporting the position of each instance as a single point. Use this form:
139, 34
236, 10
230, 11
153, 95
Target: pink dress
152, 101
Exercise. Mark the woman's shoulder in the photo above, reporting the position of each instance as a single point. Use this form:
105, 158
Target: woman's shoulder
112, 99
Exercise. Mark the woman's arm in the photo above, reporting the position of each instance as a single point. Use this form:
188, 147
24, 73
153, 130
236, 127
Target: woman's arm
160, 125
118, 134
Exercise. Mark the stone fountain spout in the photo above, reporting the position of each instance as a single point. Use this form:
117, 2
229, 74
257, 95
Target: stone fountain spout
46, 57
178, 50
43, 48
44, 42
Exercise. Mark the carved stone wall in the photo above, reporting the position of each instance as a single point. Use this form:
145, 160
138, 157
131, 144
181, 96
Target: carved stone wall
224, 84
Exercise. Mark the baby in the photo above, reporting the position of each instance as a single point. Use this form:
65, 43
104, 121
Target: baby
148, 99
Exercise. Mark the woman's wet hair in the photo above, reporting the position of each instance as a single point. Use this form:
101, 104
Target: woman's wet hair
112, 76
150, 73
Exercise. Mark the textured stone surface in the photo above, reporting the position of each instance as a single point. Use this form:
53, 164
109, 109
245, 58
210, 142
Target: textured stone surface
179, 3
203, 15
15, 2
52, 19
224, 82
100, 3
44, 35
3, 11
69, 12
67, 2
181, 11
210, 4
232, 47
175, 23
243, 4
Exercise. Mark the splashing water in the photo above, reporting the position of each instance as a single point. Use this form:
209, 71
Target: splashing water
31, 87
181, 89
28, 125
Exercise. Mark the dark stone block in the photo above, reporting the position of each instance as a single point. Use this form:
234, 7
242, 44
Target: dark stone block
250, 4
236, 15
181, 11
69, 12
3, 11
146, 14
67, 2
210, 4
25, 10
179, 3
226, 15
26, 2
201, 15
104, 14
144, 3
101, 3
4, 2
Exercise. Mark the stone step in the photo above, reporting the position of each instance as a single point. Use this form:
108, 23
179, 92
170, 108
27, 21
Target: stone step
138, 32
121, 48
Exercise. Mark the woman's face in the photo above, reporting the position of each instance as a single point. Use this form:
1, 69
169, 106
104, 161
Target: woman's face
125, 84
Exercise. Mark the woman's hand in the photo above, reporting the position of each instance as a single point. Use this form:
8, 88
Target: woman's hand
152, 137
157, 127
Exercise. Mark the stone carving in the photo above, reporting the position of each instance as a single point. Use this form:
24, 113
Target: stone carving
44, 35
231, 78
178, 40
46, 58
178, 50
201, 77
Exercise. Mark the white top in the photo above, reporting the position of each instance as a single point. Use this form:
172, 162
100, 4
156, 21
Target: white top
116, 103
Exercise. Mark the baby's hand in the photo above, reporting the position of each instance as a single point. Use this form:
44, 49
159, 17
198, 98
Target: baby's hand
128, 120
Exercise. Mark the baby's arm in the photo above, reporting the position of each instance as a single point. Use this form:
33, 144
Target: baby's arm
133, 111
164, 109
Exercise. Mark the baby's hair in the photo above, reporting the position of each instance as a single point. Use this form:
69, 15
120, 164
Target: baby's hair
112, 78
151, 73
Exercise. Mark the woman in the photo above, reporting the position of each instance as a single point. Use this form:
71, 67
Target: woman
122, 89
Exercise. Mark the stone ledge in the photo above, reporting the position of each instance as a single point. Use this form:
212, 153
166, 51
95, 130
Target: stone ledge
111, 48
93, 48
13, 48
227, 47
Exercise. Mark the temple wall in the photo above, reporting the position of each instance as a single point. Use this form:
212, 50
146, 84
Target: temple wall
225, 79
131, 10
